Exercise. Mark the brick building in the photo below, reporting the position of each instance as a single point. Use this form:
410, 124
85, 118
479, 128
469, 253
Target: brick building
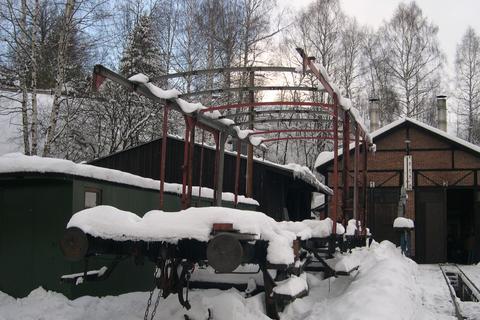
444, 200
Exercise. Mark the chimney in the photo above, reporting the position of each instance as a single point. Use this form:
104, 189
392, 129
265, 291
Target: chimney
442, 113
373, 112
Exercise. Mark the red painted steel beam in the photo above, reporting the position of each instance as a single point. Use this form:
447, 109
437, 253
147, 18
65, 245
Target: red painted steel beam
365, 168
201, 166
355, 173
308, 62
289, 130
268, 104
163, 155
335, 165
299, 138
237, 171
346, 161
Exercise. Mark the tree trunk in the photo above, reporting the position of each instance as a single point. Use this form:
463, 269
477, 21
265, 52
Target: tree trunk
60, 77
23, 77
34, 129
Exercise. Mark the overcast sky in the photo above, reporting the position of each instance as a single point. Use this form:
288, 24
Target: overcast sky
451, 16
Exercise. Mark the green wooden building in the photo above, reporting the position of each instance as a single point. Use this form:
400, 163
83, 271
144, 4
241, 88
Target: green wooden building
37, 198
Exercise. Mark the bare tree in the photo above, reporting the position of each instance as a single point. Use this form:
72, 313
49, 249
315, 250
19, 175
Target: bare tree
412, 54
467, 69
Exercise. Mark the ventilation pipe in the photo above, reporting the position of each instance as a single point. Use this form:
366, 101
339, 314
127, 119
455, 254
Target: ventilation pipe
442, 113
373, 112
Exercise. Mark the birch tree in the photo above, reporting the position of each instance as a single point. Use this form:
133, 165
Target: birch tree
467, 69
60, 75
409, 43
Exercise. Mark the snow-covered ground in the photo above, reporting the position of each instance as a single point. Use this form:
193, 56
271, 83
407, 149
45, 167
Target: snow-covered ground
387, 286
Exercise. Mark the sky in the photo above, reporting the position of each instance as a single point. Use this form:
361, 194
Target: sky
451, 16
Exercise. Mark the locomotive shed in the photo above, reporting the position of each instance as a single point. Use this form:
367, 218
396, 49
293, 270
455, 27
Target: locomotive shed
444, 200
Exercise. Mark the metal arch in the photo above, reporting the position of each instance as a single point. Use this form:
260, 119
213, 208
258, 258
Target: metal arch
289, 130
325, 106
300, 138
281, 120
251, 89
275, 111
224, 70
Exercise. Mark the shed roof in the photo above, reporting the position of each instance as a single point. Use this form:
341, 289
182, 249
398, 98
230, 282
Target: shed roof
298, 171
19, 163
325, 157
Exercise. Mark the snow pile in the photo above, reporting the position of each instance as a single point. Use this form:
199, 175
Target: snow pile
17, 162
156, 91
292, 286
193, 223
306, 174
401, 222
385, 288
351, 227
42, 304
323, 228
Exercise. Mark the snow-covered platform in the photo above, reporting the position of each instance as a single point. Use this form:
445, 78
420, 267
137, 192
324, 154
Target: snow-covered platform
387, 286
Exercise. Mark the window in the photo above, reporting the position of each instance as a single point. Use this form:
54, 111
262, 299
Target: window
92, 197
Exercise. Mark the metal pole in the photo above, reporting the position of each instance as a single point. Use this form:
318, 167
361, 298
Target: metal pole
251, 119
355, 169
335, 165
190, 161
201, 167
163, 155
185, 163
215, 165
365, 167
221, 158
346, 162
237, 171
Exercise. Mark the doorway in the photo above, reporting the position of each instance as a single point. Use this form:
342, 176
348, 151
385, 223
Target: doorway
460, 225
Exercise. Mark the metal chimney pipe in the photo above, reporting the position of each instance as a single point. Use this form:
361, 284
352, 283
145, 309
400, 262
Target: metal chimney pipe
442, 112
373, 112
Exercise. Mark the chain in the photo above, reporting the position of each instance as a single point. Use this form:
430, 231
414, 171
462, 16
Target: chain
149, 302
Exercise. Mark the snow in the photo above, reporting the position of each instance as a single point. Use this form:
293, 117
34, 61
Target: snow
160, 93
323, 228
384, 288
292, 286
242, 134
346, 103
139, 78
351, 227
43, 304
17, 162
387, 286
193, 223
306, 174
401, 222
256, 141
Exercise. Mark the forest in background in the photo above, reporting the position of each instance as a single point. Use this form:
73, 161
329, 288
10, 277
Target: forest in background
50, 46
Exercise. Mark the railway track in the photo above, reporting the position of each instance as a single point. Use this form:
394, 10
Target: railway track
462, 289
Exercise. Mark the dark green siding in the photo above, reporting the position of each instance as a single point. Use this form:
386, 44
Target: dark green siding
34, 211
33, 214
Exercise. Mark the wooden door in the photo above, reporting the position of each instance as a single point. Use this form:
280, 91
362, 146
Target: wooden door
383, 209
430, 225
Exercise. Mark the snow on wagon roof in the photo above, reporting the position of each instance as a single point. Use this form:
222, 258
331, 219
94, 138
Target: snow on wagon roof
17, 162
327, 156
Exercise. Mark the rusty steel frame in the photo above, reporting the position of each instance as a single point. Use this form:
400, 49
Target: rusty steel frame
308, 64
340, 129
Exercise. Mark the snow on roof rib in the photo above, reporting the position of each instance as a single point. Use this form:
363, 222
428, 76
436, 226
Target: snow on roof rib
345, 103
17, 162
327, 156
